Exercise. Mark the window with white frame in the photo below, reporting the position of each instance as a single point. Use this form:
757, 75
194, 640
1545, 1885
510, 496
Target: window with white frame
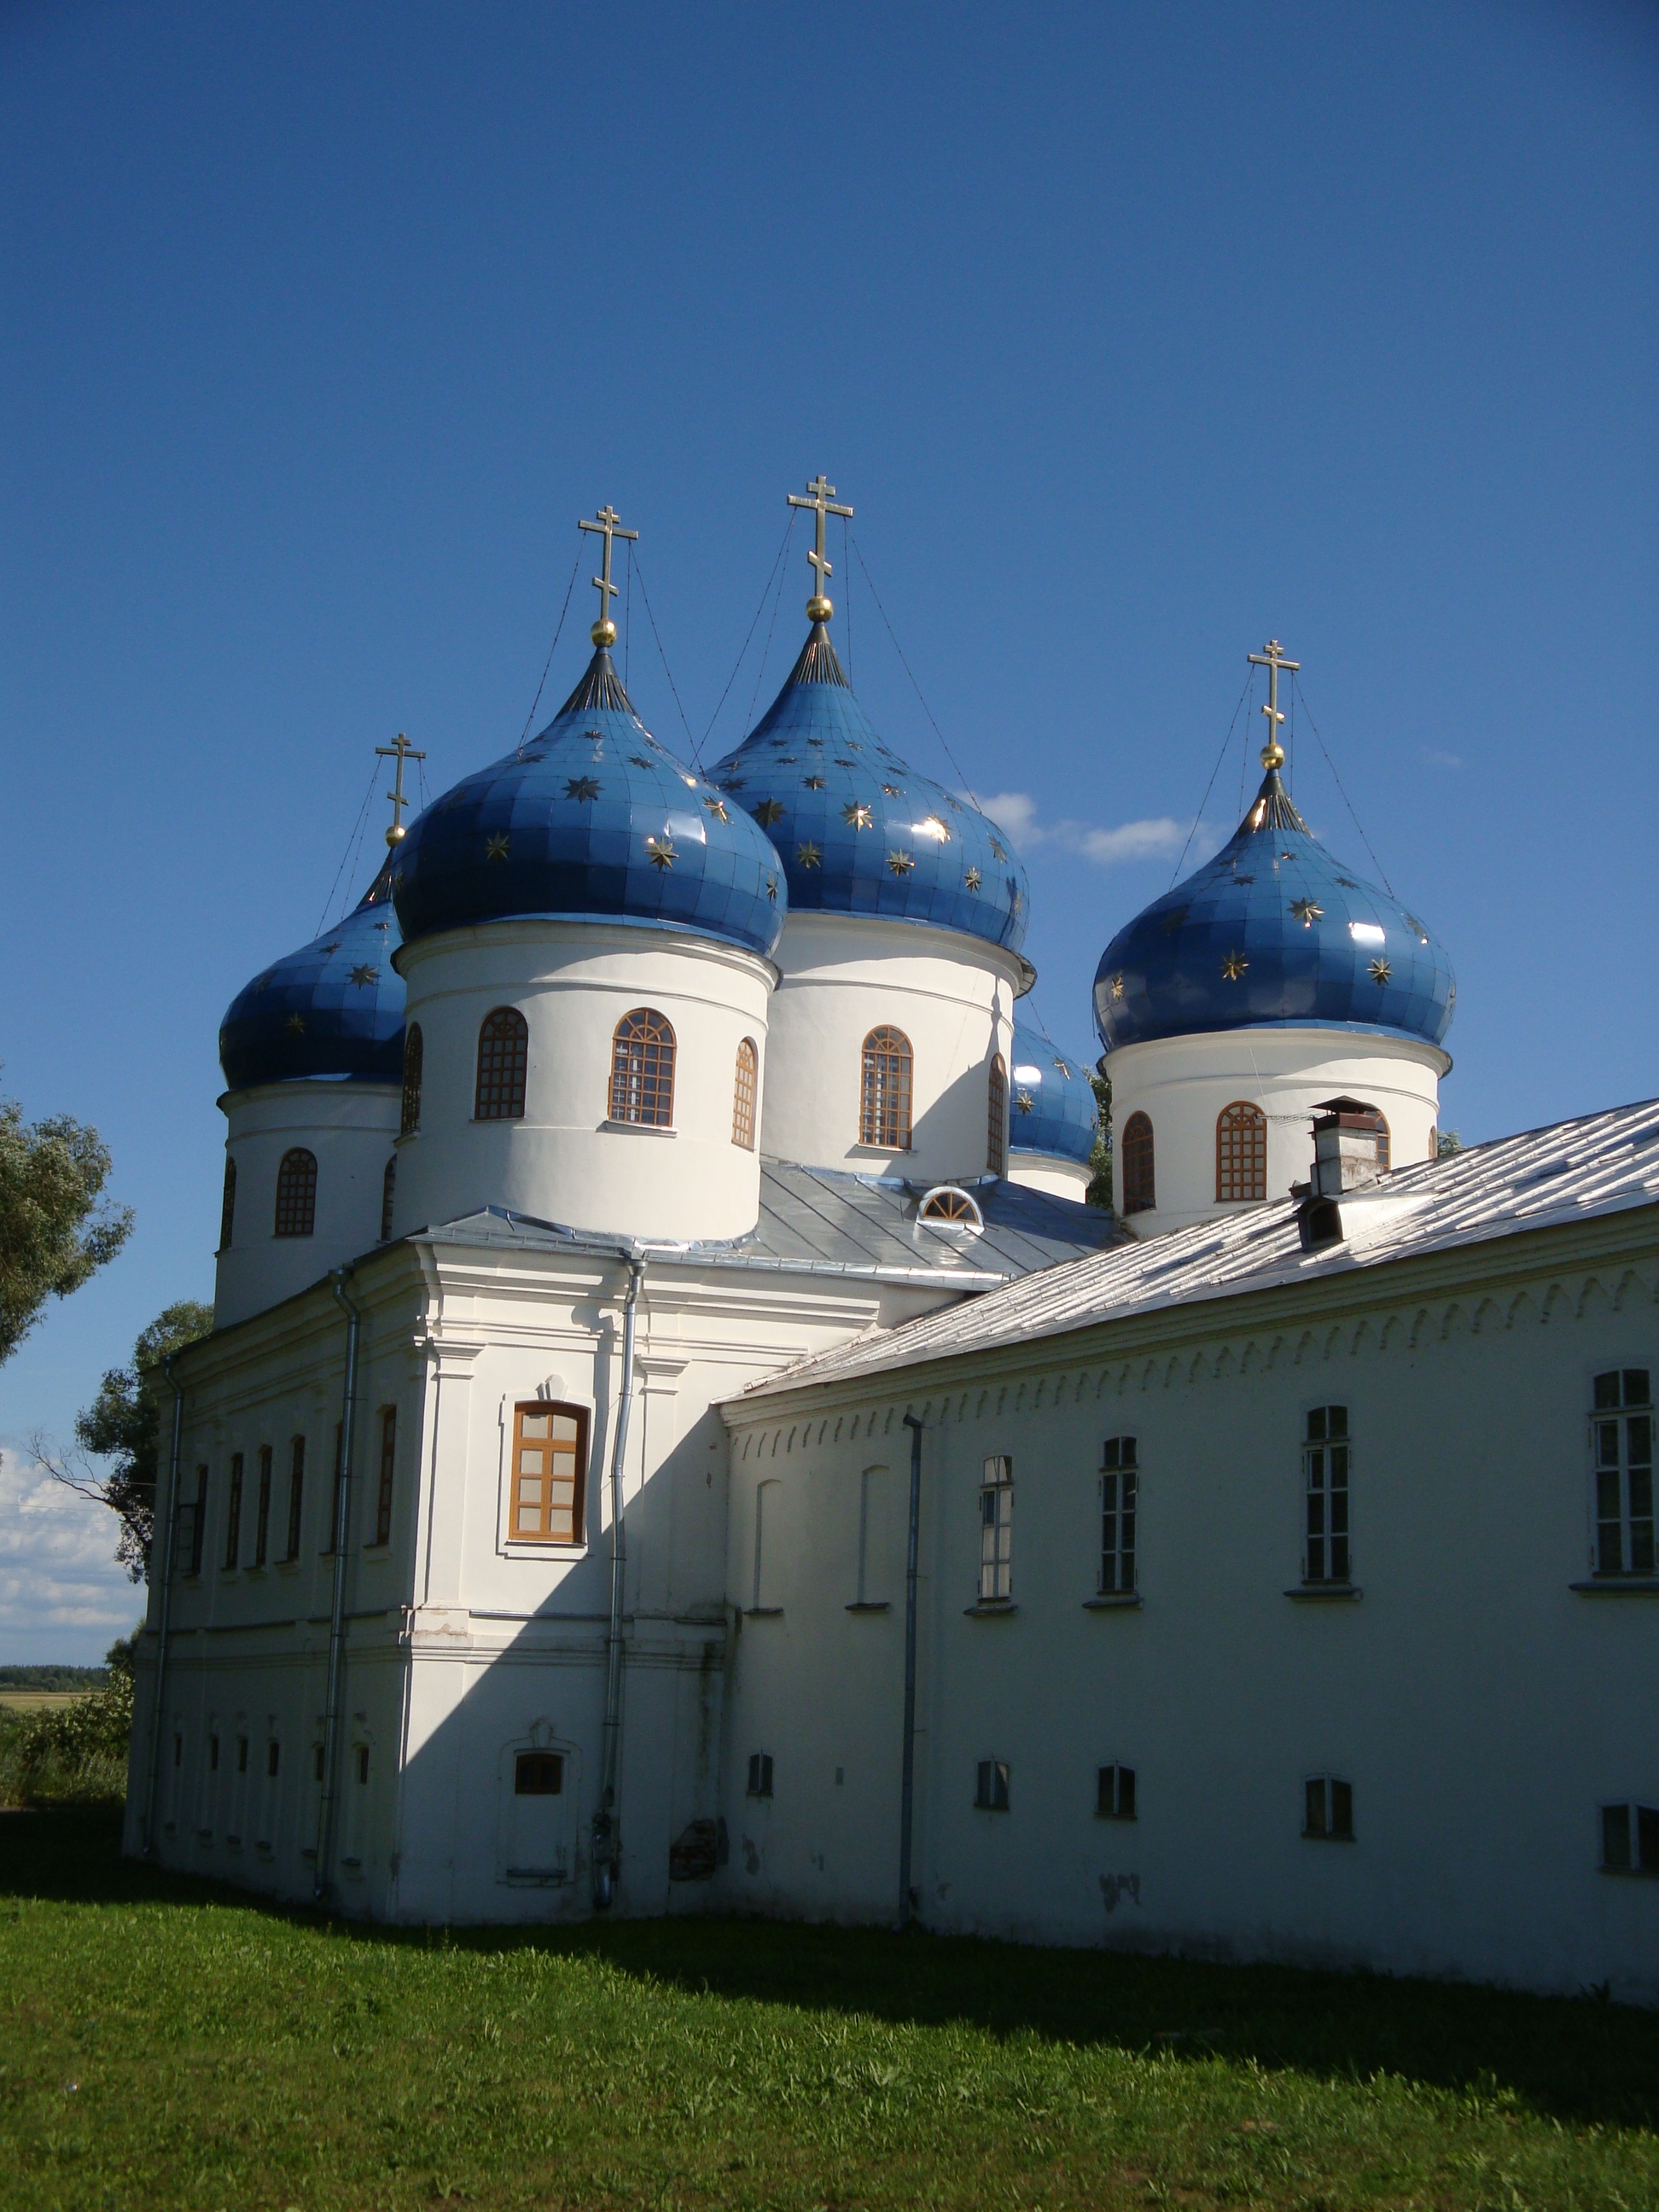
760, 1774
1120, 1499
1327, 1456
1630, 1838
1621, 1440
1114, 1793
991, 1786
1327, 1810
996, 1530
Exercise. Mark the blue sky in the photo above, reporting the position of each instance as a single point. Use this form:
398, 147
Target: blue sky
1133, 335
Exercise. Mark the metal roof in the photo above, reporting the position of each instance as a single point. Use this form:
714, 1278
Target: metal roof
1573, 1171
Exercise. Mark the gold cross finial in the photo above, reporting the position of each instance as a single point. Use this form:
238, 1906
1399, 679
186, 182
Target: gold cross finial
400, 752
821, 498
604, 631
1273, 660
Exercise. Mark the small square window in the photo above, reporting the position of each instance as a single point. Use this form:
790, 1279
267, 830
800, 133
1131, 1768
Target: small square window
1630, 1838
991, 1789
538, 1774
760, 1774
1328, 1813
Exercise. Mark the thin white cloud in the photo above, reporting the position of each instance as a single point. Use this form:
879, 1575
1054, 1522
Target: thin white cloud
1437, 759
58, 1577
1018, 814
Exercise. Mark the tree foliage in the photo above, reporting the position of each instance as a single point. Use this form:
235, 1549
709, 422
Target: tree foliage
1099, 1191
54, 1232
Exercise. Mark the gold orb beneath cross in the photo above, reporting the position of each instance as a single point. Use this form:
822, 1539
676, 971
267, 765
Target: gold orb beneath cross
395, 834
603, 632
1272, 754
818, 609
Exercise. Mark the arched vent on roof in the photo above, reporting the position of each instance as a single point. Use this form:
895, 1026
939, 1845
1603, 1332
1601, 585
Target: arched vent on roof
946, 1202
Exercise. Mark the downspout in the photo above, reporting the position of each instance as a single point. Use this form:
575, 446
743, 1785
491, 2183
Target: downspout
336, 1617
607, 1842
157, 1713
907, 1784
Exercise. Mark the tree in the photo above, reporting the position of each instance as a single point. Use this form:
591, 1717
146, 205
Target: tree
1099, 1191
53, 1230
125, 1423
1446, 1142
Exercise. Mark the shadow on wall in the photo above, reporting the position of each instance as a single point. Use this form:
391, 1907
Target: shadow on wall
1577, 2061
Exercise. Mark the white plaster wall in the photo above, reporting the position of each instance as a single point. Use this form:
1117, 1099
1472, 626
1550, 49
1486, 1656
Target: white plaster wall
1049, 1172
351, 1128
564, 1162
843, 975
1183, 1083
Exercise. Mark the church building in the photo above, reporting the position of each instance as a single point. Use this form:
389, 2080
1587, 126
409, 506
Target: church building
675, 1436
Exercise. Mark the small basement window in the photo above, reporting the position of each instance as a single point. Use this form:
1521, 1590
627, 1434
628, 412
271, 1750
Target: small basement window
760, 1774
1114, 1793
1328, 1809
1630, 1838
538, 1774
991, 1788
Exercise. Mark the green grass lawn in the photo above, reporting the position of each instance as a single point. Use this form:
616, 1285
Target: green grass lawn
166, 2045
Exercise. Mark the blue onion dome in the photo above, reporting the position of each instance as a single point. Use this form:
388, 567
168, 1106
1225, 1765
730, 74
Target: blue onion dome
1273, 929
1051, 1102
334, 1009
860, 831
592, 820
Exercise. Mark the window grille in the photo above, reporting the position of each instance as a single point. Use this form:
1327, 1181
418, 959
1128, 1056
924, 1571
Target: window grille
1114, 1793
996, 1530
503, 1056
1328, 1813
1630, 1838
760, 1774
538, 1774
1621, 1440
642, 1070
1120, 1501
1326, 1457
884, 1095
228, 1208
388, 1194
414, 1055
262, 1509
388, 1463
233, 1511
742, 1097
297, 1492
991, 1786
1140, 1190
1241, 1152
549, 1460
296, 1193
996, 1134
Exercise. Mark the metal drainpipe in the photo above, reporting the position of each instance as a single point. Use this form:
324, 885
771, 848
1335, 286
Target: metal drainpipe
336, 1618
908, 1786
157, 1712
606, 1846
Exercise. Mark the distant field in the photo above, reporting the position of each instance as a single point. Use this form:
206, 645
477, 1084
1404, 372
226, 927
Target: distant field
166, 2045
34, 1701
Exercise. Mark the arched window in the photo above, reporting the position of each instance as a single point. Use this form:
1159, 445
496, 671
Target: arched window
228, 1207
503, 1053
1139, 1193
945, 1202
885, 1095
388, 1192
996, 1136
743, 1097
1240, 1151
414, 1052
1382, 1155
296, 1193
642, 1070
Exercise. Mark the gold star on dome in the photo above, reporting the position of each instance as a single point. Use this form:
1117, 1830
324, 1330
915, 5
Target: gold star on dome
998, 850
731, 783
1381, 972
931, 826
1307, 911
771, 889
327, 949
661, 850
580, 786
1022, 1102
769, 811
1117, 987
857, 816
808, 855
900, 864
364, 974
973, 879
818, 742
383, 925
1065, 1068
296, 1024
1015, 902
717, 808
1234, 966
892, 790
813, 783
495, 847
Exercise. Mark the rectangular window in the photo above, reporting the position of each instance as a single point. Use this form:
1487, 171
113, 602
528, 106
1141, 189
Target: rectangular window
1630, 1838
317, 1762
1114, 1793
996, 1530
1326, 1458
1120, 1497
262, 1509
388, 1463
233, 1511
335, 1532
297, 1492
1328, 1813
273, 1757
241, 1754
213, 1754
198, 1529
991, 1786
1621, 1443
363, 1763
549, 1460
760, 1774
872, 1536
538, 1774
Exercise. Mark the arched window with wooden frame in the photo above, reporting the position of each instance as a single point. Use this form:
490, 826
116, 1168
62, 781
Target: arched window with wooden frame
388, 1198
414, 1055
228, 1208
1241, 1152
296, 1193
743, 1095
886, 1089
1384, 1156
996, 1134
503, 1056
1139, 1188
642, 1070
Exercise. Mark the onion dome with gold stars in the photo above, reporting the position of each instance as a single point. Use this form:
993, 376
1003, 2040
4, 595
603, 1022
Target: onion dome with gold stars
332, 1010
859, 830
1051, 1101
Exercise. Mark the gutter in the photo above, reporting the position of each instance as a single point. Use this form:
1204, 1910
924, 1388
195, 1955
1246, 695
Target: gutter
907, 1784
606, 1835
153, 1786
336, 1617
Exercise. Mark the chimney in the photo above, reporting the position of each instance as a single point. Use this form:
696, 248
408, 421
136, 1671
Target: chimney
1349, 1136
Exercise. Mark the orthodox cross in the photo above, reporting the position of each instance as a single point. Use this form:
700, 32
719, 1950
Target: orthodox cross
1273, 660
821, 498
607, 526
401, 751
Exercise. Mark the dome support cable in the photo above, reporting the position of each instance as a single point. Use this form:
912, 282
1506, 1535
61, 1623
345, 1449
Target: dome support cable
777, 598
354, 840
955, 765
633, 562
1249, 682
760, 609
551, 650
1337, 779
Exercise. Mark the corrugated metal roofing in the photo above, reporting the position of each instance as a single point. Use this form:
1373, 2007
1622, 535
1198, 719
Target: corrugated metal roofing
1574, 1170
